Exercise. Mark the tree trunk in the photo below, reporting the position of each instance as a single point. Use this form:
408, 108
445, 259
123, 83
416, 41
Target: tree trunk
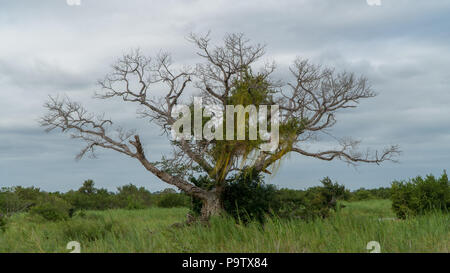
212, 204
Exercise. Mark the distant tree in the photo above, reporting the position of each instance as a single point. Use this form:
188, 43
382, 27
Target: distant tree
132, 197
173, 199
421, 195
169, 190
90, 197
308, 104
362, 194
88, 187
18, 199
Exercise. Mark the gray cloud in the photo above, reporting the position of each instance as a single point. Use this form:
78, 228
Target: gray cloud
49, 47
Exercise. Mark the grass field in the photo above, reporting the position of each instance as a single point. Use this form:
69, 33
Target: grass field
149, 230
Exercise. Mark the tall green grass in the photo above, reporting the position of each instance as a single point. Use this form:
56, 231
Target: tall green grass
150, 230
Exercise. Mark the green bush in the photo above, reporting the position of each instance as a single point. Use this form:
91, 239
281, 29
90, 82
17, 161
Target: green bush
311, 203
368, 194
289, 203
29, 195
362, 194
418, 195
52, 208
381, 193
171, 200
132, 204
87, 197
10, 202
18, 199
247, 198
131, 197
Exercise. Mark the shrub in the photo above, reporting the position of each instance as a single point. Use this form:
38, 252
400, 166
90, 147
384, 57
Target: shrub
171, 200
131, 197
381, 193
10, 202
18, 199
289, 203
361, 195
247, 198
29, 195
418, 195
52, 208
87, 197
368, 194
316, 201
132, 204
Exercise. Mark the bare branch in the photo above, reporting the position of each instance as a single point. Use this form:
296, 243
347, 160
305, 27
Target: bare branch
95, 131
318, 93
134, 74
225, 63
351, 156
69, 116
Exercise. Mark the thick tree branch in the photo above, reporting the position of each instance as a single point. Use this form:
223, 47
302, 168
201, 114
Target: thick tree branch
350, 157
164, 176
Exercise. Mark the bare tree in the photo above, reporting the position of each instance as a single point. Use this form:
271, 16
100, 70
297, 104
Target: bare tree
308, 105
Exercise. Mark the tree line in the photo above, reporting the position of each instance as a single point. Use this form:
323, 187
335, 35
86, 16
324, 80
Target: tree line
246, 198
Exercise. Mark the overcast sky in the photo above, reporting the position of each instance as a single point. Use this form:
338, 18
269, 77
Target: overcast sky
50, 47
